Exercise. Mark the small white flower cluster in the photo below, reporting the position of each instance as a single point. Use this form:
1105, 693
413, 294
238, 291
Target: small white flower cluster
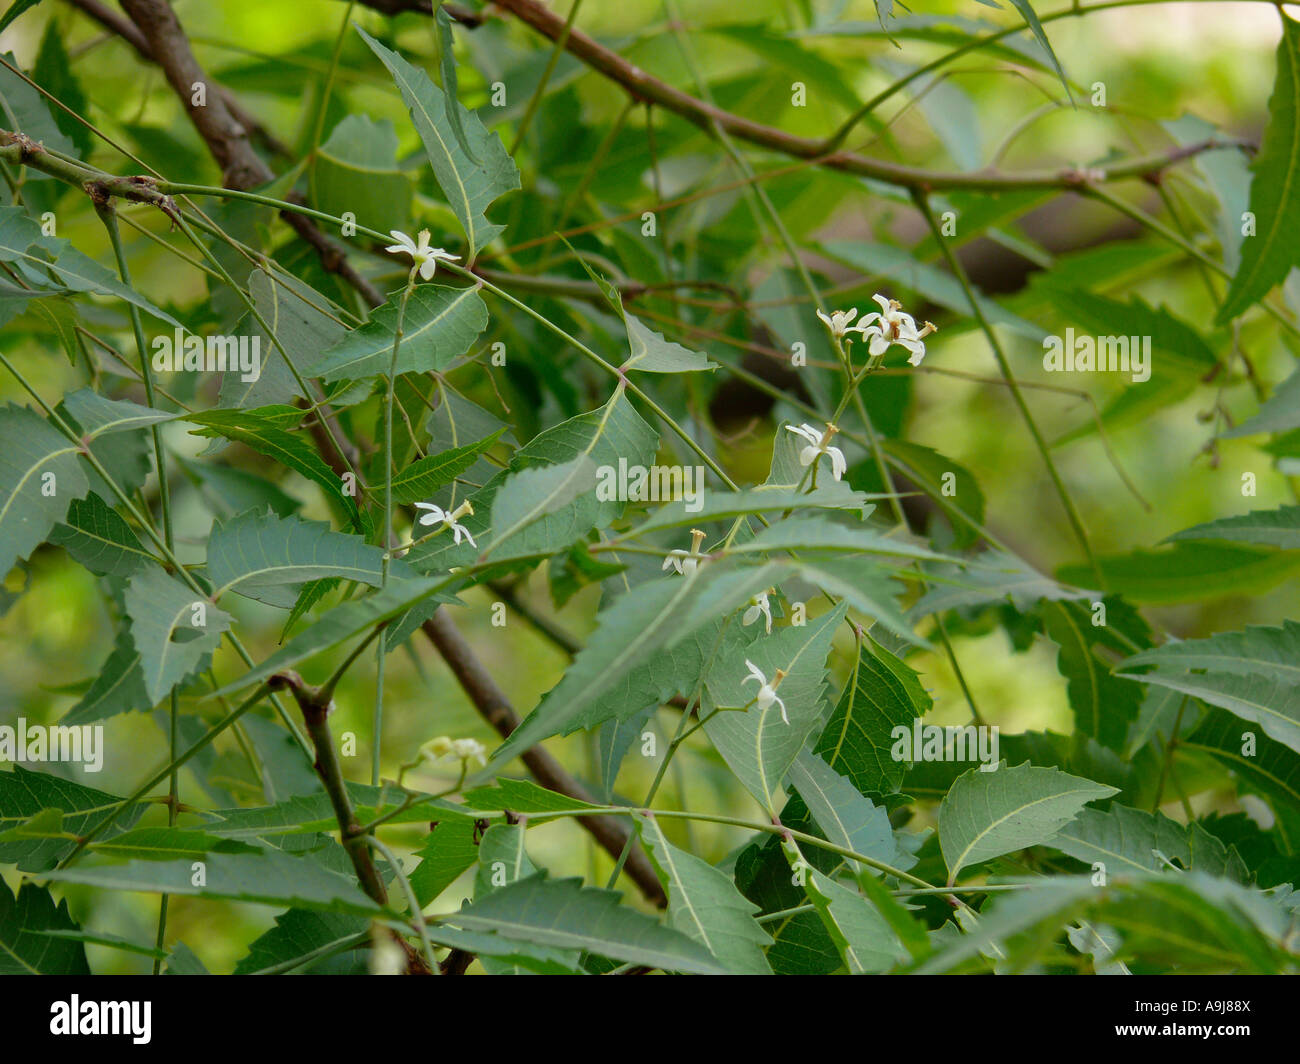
463, 750
890, 326
437, 515
425, 257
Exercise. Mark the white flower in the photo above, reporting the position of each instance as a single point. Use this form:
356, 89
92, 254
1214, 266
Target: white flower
437, 515
766, 691
463, 750
424, 256
819, 444
839, 321
759, 606
893, 326
685, 562
386, 956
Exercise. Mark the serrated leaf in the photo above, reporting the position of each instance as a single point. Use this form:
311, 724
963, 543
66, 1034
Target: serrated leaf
882, 693
1265, 765
529, 495
1187, 572
1272, 528
1132, 840
651, 353
562, 912
1258, 649
99, 538
423, 477
845, 817
705, 905
25, 949
449, 850
648, 620
987, 814
1267, 700
340, 624
267, 558
162, 614
162, 844
24, 794
266, 878
21, 238
1267, 256
440, 324
297, 934
469, 185
861, 934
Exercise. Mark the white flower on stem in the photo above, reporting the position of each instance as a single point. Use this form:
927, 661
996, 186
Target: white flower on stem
839, 321
425, 257
766, 691
437, 515
463, 750
759, 607
819, 443
685, 562
893, 326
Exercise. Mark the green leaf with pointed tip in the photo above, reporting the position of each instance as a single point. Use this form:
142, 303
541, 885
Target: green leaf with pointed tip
470, 185
1264, 765
1031, 19
1132, 840
1103, 704
758, 743
341, 624
267, 558
562, 912
99, 538
32, 502
165, 844
24, 794
845, 817
1268, 700
1187, 572
263, 430
266, 878
98, 416
163, 613
883, 693
440, 324
651, 353
766, 498
450, 92
21, 238
25, 949
1272, 528
297, 934
1269, 255
449, 850
705, 905
520, 796
987, 814
1258, 649
311, 814
423, 477
530, 494
647, 621
862, 935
